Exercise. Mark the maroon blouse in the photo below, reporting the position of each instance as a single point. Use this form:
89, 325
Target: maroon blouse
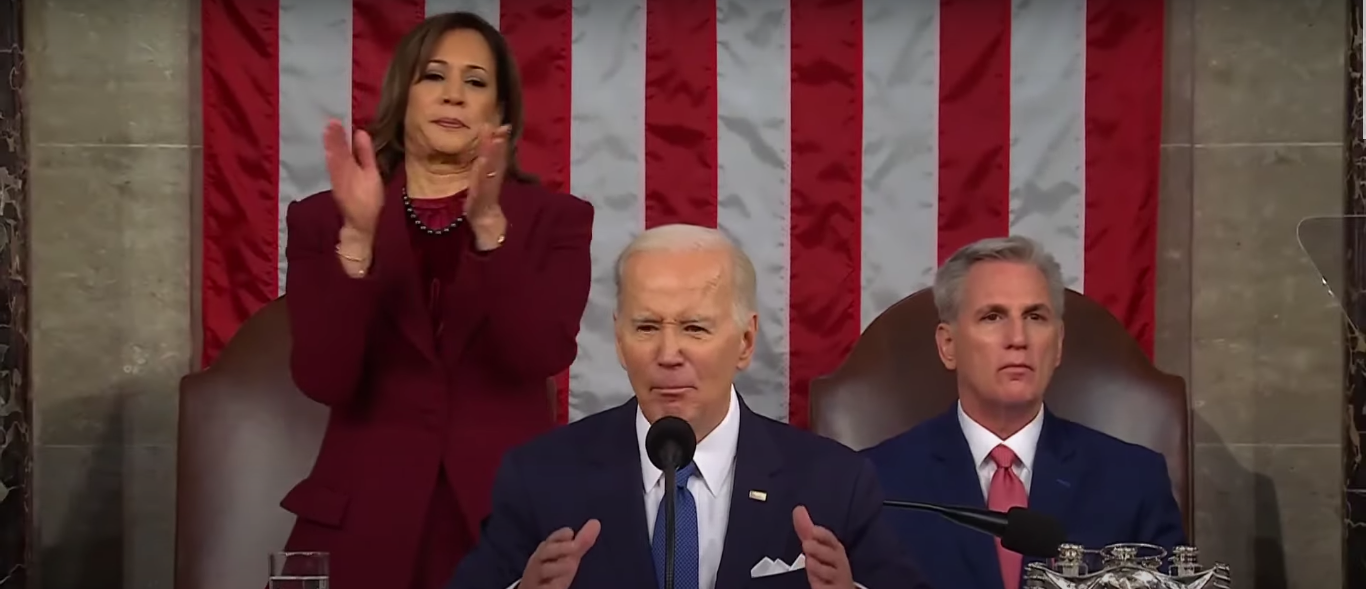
438, 256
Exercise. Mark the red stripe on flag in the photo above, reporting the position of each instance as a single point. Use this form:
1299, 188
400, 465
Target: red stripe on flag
974, 122
241, 165
541, 34
1123, 142
377, 27
827, 172
680, 112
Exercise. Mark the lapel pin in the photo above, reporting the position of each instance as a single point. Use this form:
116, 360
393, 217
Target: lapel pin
758, 495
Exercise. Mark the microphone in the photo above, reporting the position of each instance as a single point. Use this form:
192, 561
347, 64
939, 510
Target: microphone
1030, 533
670, 444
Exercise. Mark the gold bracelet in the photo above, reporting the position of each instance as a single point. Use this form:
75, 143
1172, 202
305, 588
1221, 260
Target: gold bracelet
349, 258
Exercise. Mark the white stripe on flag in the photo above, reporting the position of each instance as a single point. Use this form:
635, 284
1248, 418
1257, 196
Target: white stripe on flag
901, 199
607, 167
1047, 155
315, 84
753, 156
900, 151
488, 9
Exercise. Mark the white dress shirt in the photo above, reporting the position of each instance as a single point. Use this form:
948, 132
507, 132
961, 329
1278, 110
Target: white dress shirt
710, 487
981, 442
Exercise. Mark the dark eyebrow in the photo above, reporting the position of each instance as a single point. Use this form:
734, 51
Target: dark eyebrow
443, 62
1035, 308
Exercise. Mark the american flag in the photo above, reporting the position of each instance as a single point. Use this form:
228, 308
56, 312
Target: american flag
848, 146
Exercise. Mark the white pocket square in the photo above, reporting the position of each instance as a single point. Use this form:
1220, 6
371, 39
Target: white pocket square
768, 567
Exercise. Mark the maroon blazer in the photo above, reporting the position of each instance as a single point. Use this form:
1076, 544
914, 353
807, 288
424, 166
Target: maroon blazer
399, 408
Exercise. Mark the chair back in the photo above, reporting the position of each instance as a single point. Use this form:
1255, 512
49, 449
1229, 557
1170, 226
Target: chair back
246, 437
893, 380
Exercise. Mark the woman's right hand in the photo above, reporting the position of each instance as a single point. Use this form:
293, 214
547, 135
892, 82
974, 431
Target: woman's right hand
356, 183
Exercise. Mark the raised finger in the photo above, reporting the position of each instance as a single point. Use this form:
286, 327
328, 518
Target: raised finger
479, 167
817, 553
335, 146
554, 544
365, 150
553, 551
559, 568
824, 536
492, 147
801, 522
588, 535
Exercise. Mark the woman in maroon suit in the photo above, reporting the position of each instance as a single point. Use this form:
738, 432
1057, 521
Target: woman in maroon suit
431, 293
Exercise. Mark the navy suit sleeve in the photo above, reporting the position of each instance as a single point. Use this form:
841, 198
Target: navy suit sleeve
877, 558
508, 537
1159, 517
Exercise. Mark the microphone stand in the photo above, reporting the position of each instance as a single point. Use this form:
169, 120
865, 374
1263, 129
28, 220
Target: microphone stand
670, 499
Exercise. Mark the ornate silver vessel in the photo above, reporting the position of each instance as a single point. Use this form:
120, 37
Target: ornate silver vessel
1126, 566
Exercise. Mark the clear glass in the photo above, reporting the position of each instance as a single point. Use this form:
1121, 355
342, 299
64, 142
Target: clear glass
1324, 241
298, 570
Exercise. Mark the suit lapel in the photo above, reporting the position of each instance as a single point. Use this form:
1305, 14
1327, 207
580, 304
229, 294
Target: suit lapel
1055, 471
394, 256
470, 300
620, 507
958, 483
757, 463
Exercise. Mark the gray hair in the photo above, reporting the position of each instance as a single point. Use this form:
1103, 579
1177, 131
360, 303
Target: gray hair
681, 238
948, 280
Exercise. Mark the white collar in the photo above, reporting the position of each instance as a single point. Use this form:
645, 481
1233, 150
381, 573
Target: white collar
715, 455
981, 441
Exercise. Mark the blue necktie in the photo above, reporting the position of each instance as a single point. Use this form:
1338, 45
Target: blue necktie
685, 530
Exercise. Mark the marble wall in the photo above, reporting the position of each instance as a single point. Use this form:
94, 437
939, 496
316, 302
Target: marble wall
1354, 294
112, 150
1252, 142
16, 450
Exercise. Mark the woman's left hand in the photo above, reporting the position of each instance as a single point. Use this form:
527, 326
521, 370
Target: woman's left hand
482, 208
486, 182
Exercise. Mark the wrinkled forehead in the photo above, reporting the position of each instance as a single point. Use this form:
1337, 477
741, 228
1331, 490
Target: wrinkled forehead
671, 282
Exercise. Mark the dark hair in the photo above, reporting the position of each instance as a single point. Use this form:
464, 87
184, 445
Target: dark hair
411, 56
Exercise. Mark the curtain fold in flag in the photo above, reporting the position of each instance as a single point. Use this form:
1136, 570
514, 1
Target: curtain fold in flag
849, 146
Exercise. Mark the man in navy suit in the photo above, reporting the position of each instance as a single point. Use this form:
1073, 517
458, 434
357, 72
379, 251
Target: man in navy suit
578, 507
1000, 304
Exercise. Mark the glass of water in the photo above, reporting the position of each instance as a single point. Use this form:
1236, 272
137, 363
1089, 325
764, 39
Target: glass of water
298, 570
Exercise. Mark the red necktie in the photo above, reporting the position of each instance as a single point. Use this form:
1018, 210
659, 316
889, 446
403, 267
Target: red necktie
1006, 491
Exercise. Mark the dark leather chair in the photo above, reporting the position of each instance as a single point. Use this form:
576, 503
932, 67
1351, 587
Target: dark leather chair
246, 437
893, 380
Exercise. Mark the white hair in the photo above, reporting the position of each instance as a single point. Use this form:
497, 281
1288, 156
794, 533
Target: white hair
682, 238
948, 280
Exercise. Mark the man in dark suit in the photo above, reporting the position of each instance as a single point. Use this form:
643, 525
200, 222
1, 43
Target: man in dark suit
1000, 304
579, 506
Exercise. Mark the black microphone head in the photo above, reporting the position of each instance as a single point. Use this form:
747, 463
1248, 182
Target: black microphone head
1032, 533
670, 443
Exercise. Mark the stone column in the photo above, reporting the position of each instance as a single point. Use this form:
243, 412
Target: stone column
16, 464
1354, 295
